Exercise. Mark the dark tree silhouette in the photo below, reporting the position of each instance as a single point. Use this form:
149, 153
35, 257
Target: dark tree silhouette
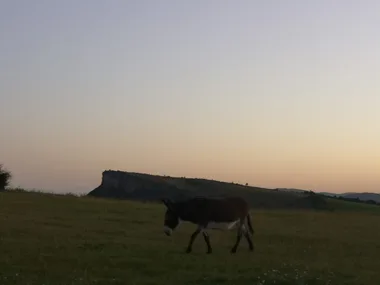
5, 177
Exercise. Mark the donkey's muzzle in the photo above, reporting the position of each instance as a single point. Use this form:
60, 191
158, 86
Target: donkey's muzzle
168, 231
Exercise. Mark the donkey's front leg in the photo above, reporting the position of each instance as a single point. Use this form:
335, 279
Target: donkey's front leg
192, 238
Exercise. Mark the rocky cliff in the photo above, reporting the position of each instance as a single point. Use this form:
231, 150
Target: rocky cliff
129, 185
139, 186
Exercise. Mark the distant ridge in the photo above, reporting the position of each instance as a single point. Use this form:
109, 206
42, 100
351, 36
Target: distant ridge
292, 190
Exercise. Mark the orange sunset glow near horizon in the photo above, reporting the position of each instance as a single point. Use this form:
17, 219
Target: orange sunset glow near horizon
270, 93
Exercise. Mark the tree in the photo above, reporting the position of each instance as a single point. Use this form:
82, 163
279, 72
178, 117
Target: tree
5, 177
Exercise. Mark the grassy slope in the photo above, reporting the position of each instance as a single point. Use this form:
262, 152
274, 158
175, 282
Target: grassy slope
48, 239
341, 205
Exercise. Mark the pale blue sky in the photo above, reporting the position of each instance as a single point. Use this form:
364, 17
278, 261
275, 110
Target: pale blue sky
273, 93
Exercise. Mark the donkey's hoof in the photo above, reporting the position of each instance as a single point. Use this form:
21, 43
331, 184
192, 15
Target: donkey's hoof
188, 250
233, 250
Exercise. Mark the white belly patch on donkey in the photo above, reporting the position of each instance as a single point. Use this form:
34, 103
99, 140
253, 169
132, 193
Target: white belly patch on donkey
222, 225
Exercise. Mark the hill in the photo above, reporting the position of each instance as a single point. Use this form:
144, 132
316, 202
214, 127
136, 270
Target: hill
365, 196
146, 187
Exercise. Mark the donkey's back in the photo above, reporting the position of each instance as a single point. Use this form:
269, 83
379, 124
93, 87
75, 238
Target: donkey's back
214, 209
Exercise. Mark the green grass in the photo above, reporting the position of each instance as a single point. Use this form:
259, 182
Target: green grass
50, 239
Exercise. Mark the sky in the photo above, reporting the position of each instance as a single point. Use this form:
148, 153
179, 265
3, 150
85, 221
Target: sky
271, 93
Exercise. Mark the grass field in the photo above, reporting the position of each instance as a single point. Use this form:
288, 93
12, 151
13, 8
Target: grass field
51, 239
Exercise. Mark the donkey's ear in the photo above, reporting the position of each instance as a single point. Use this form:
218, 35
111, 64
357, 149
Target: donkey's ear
166, 202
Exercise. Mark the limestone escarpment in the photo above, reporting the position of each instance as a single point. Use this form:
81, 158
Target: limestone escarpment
129, 185
146, 187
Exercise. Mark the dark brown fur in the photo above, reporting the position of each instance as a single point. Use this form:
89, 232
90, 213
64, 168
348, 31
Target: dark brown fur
201, 211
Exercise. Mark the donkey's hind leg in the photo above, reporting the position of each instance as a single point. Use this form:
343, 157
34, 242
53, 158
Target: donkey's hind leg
207, 240
248, 238
238, 238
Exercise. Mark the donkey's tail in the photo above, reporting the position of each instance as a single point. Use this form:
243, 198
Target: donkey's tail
250, 224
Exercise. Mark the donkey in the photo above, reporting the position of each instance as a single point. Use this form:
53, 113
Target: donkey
210, 213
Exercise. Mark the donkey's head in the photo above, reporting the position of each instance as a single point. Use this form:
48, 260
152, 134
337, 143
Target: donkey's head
172, 219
